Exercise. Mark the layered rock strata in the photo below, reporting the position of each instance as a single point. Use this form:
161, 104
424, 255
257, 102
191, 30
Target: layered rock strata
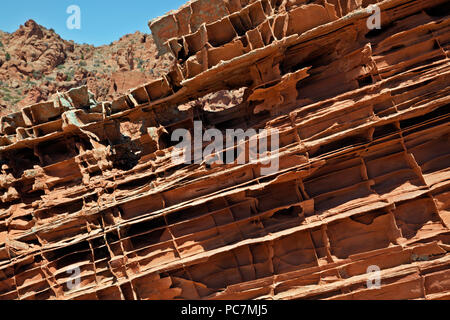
363, 178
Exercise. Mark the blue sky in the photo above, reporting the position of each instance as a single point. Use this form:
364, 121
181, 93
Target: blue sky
102, 21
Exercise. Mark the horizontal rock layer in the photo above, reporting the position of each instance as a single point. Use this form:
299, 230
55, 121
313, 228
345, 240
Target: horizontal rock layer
363, 179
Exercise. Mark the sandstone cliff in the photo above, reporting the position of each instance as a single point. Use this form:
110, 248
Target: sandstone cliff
36, 63
363, 177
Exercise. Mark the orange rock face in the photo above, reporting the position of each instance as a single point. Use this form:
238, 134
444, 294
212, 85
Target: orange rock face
94, 206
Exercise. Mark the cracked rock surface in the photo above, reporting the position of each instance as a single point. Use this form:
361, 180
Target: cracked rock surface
363, 177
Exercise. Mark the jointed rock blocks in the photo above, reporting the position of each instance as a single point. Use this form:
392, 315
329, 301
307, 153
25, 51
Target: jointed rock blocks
364, 176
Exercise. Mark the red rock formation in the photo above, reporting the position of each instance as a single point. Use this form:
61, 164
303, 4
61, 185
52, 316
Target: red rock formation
363, 177
35, 58
34, 95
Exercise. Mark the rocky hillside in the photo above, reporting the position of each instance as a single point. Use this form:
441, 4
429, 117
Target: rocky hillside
35, 63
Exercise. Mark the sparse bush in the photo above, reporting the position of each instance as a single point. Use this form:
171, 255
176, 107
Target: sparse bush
7, 56
37, 74
140, 63
70, 75
29, 82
